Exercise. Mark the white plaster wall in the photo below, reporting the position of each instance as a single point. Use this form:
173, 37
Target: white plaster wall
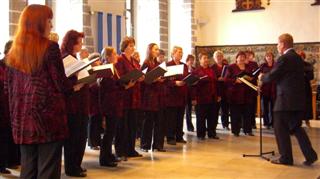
219, 26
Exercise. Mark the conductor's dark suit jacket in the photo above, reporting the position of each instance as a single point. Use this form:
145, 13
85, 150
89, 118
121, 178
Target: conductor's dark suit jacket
288, 75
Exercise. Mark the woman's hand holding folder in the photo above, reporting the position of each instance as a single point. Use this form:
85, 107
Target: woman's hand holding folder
180, 83
130, 84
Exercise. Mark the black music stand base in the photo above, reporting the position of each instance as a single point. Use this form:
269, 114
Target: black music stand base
261, 154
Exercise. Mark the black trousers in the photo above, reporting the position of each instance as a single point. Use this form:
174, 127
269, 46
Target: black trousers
121, 138
206, 120
127, 128
175, 123
189, 114
267, 107
152, 128
40, 161
240, 117
224, 106
75, 145
108, 136
286, 123
9, 151
252, 109
140, 117
94, 130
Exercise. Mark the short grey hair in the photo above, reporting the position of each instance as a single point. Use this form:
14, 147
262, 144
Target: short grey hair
216, 53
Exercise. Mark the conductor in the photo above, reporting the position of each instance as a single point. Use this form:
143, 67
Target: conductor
290, 102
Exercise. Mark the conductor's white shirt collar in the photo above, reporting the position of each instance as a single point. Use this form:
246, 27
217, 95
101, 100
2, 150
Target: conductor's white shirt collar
287, 50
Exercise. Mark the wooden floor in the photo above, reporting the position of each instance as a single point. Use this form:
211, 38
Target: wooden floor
221, 159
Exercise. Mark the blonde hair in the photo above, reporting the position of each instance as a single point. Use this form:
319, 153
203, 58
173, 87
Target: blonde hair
54, 37
175, 49
216, 53
107, 52
287, 40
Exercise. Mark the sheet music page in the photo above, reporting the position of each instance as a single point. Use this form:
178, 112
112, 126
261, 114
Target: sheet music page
145, 70
174, 70
86, 60
163, 65
248, 83
71, 64
82, 74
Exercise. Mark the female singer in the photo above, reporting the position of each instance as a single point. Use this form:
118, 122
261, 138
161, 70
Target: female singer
132, 96
36, 85
308, 76
176, 100
9, 151
95, 117
77, 110
205, 96
190, 64
220, 67
252, 67
138, 111
111, 97
151, 105
237, 93
267, 91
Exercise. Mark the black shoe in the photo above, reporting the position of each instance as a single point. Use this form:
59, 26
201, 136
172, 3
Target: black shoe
237, 135
83, 169
108, 164
124, 158
159, 150
309, 162
4, 171
171, 142
181, 141
144, 150
135, 154
14, 167
115, 158
80, 174
214, 137
279, 162
95, 148
249, 134
254, 127
191, 129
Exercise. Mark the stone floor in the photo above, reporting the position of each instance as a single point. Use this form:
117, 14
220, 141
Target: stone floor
221, 159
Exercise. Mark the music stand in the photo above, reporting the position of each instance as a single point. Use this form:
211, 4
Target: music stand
261, 154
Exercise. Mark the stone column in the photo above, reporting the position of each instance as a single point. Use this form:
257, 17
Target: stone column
88, 40
15, 9
164, 23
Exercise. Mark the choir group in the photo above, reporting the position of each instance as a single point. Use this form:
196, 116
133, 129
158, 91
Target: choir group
47, 110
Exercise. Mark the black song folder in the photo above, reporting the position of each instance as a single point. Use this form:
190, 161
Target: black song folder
103, 71
224, 71
154, 74
191, 79
88, 79
132, 75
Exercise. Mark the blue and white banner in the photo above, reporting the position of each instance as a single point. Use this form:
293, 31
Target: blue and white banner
109, 29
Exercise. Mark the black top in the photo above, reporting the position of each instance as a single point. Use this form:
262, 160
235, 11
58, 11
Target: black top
288, 74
